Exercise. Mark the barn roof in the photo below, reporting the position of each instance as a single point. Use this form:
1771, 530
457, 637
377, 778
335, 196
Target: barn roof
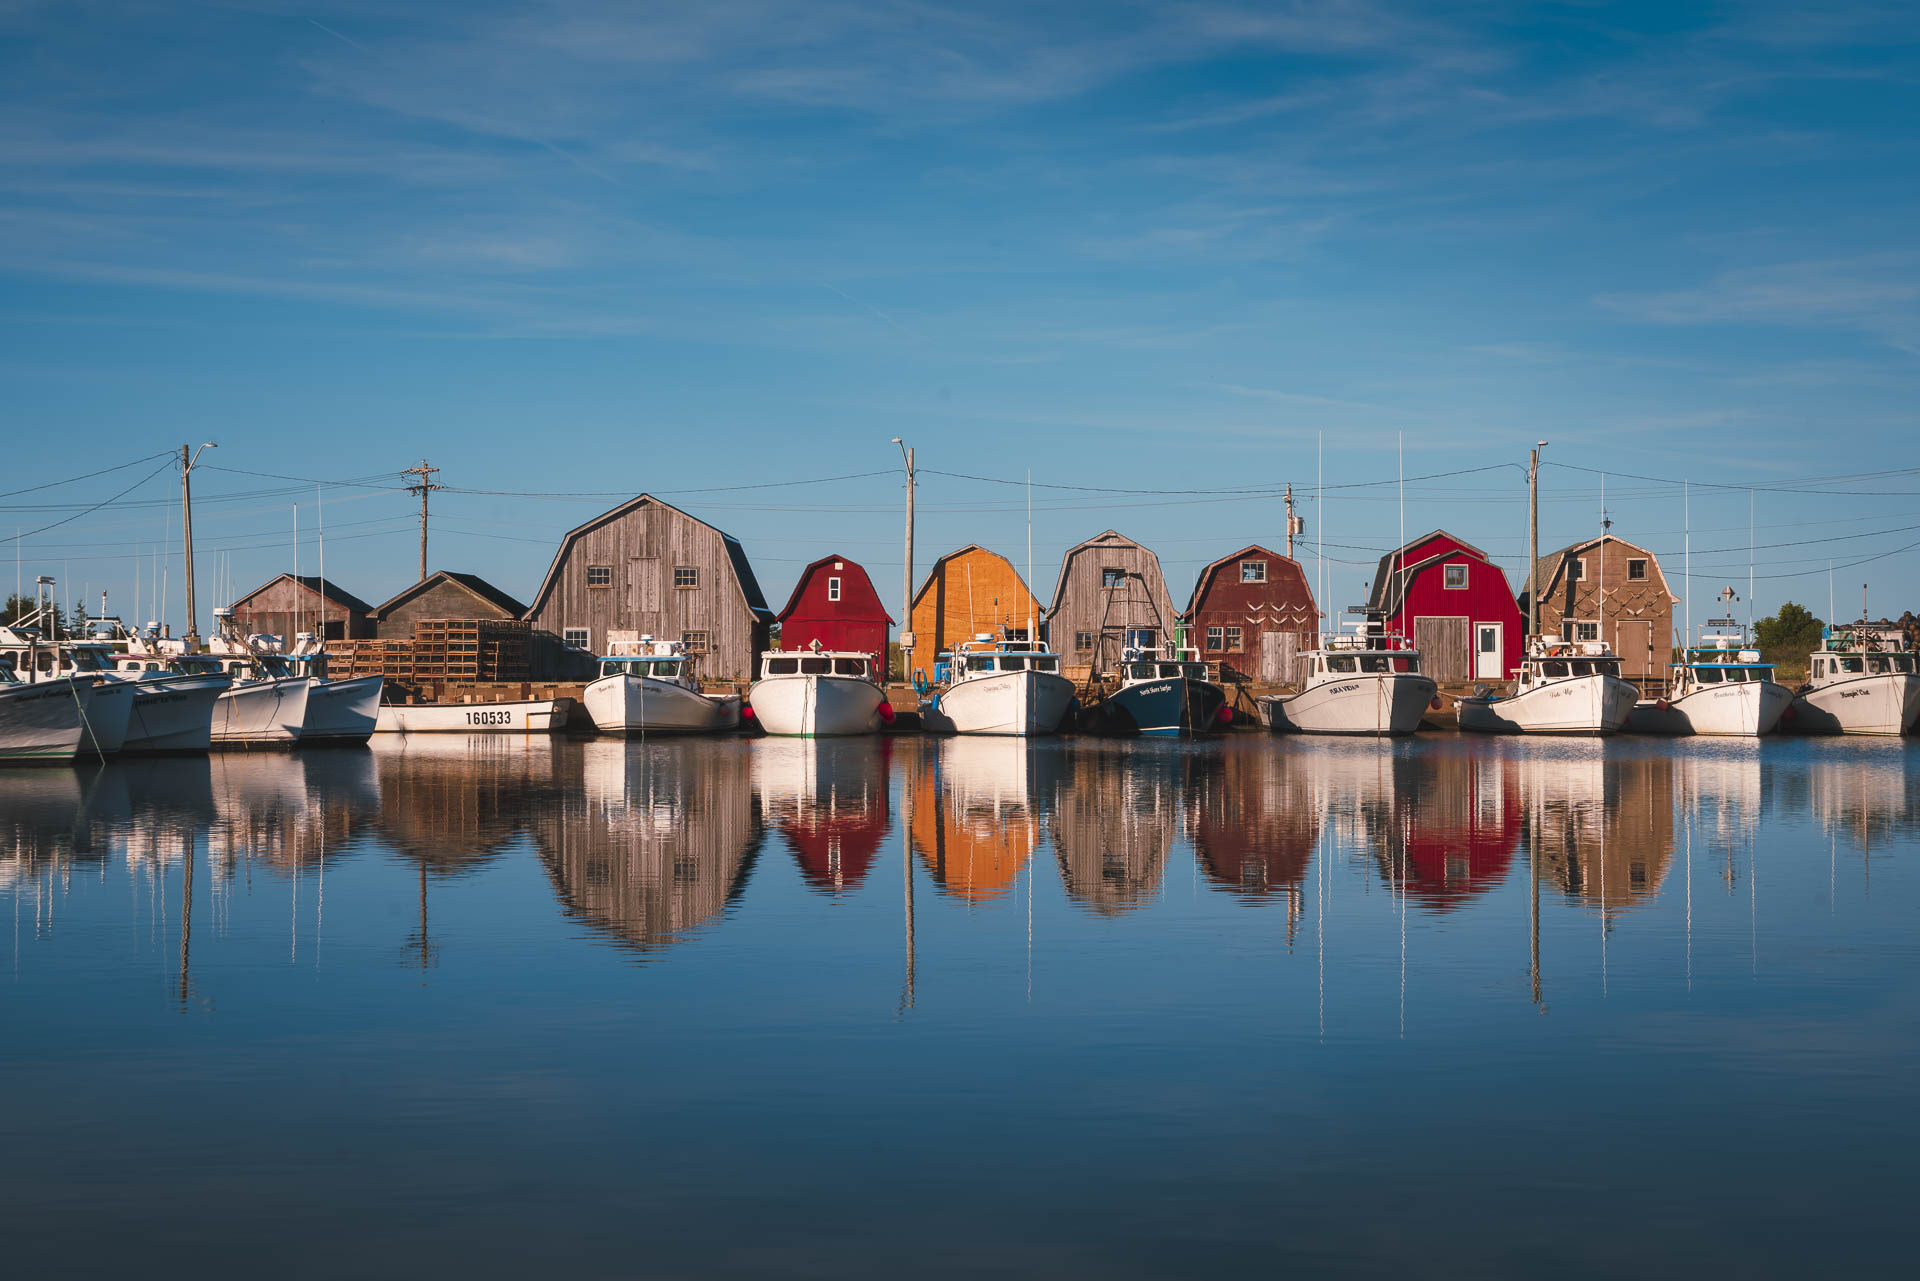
800, 585
1205, 579
1547, 570
749, 586
479, 586
319, 586
927, 582
1390, 579
1111, 538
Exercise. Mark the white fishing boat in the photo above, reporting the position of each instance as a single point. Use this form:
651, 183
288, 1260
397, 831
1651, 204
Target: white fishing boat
817, 693
1359, 681
532, 716
650, 687
338, 712
170, 713
999, 687
1565, 687
37, 658
1860, 681
1719, 686
255, 710
41, 720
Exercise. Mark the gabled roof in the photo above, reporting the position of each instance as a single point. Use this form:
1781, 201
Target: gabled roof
927, 582
1111, 537
1547, 570
1201, 583
473, 583
800, 585
319, 586
1390, 579
742, 571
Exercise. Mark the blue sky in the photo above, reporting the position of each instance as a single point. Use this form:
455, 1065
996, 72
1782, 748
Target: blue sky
591, 249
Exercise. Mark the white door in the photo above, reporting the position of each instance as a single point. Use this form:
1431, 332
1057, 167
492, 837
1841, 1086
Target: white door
1489, 655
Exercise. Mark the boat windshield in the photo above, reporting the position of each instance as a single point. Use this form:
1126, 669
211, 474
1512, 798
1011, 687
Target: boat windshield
849, 667
1013, 663
88, 658
1171, 671
1196, 671
1046, 663
1341, 663
1707, 675
1140, 671
198, 665
1375, 663
1554, 668
6, 672
668, 668
816, 666
1902, 663
783, 666
275, 667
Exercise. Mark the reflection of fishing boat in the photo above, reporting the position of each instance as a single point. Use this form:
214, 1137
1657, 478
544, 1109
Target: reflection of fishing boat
1160, 698
999, 687
829, 800
1719, 686
818, 693
649, 687
1358, 682
535, 716
1565, 687
976, 815
1858, 682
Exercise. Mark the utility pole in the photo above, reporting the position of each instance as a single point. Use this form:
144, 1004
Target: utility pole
1533, 540
1294, 524
906, 575
423, 488
186, 516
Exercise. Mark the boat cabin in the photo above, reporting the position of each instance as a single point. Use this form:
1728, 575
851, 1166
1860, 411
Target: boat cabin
1834, 666
1719, 659
816, 663
985, 656
658, 660
1550, 659
1138, 665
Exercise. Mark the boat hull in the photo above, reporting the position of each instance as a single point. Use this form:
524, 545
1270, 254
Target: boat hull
1171, 708
261, 713
1375, 705
174, 713
42, 721
1580, 706
1020, 704
1744, 709
642, 705
538, 716
816, 706
341, 712
108, 713
1887, 705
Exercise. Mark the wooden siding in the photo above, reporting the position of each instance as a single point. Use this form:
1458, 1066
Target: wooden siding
641, 545
1082, 604
286, 606
968, 592
1639, 612
1279, 601
443, 599
1446, 648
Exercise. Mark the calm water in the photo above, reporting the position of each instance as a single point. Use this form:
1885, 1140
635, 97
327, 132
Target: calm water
884, 1008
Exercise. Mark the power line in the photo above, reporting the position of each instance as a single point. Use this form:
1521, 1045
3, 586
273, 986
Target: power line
19, 538
165, 453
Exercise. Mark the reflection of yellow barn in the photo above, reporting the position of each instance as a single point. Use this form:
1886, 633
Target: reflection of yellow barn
968, 592
976, 815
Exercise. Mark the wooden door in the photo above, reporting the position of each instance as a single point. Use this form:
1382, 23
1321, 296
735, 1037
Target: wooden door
1445, 648
1279, 658
1633, 641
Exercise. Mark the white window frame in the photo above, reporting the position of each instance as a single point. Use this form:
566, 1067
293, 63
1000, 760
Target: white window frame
1216, 639
1253, 571
1235, 639
833, 588
1446, 576
1577, 571
584, 637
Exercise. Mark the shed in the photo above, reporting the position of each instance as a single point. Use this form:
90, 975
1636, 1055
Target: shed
835, 604
648, 568
1612, 590
1110, 594
1239, 598
443, 594
968, 592
289, 604
1456, 606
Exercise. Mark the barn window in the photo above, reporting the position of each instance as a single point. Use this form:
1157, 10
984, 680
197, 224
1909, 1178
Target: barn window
1216, 637
1233, 640
1253, 571
1111, 577
833, 589
694, 642
1083, 641
1588, 632
686, 576
1456, 576
1578, 570
1637, 570
578, 637
599, 575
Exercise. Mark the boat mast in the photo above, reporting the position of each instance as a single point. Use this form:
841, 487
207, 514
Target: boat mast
1686, 516
1033, 624
1533, 541
186, 519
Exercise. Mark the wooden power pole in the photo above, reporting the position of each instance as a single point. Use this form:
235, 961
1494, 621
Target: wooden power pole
423, 488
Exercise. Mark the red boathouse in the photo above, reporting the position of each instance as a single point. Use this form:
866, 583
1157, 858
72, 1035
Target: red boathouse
1455, 605
835, 604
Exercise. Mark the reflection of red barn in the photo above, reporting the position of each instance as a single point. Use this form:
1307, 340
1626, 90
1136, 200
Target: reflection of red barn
837, 825
835, 604
1253, 824
1462, 830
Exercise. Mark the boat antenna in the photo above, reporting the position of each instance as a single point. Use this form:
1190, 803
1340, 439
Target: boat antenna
1605, 525
1401, 555
1033, 624
1320, 535
1686, 517
1749, 564
298, 600
320, 514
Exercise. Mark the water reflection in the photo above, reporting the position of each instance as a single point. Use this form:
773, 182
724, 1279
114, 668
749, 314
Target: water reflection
977, 812
828, 798
647, 843
1601, 825
1254, 823
1115, 820
453, 802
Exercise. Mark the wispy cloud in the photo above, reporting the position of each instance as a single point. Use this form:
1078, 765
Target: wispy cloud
1877, 294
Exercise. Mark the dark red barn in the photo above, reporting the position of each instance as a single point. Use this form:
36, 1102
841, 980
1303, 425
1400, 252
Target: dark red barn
1242, 596
1456, 606
835, 604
